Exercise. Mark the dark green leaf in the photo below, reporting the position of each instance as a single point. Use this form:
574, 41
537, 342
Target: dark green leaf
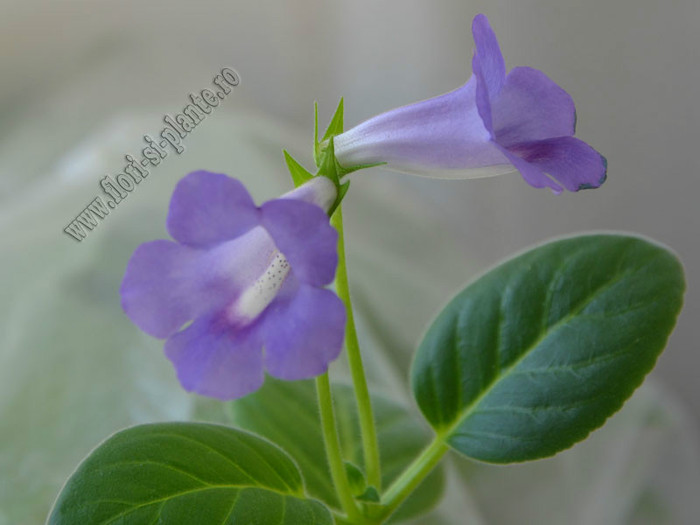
189, 474
537, 353
286, 413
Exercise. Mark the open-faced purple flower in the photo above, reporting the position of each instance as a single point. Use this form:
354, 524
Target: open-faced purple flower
249, 278
492, 124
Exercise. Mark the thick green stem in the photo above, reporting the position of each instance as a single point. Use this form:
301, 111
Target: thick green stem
335, 460
416, 472
370, 446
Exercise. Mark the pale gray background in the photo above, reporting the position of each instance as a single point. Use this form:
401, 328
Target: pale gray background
83, 80
633, 68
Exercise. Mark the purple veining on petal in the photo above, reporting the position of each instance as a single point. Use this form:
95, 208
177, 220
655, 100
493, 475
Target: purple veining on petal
241, 274
480, 128
569, 160
533, 175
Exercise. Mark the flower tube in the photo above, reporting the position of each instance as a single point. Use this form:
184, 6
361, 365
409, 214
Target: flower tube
248, 278
493, 124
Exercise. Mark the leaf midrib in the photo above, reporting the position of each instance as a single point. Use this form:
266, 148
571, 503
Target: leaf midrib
469, 409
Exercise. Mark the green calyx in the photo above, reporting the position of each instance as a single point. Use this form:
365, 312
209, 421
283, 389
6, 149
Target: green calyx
324, 156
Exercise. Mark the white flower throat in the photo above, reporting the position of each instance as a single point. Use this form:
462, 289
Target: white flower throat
254, 299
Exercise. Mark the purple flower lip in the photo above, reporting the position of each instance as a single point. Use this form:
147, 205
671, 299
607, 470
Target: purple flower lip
491, 125
250, 279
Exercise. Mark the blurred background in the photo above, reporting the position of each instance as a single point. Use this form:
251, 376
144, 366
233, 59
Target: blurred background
83, 81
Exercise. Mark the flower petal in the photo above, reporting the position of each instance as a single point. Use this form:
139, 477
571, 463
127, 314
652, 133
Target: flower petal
303, 333
534, 176
157, 287
208, 208
488, 57
531, 107
302, 232
488, 67
440, 137
572, 162
213, 360
167, 284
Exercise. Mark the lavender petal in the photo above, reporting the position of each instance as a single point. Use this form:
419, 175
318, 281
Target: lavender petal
208, 208
303, 333
488, 56
531, 107
157, 287
212, 360
572, 162
441, 137
302, 232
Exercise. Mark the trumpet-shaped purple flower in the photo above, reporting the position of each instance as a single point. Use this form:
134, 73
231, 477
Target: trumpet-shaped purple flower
492, 124
248, 278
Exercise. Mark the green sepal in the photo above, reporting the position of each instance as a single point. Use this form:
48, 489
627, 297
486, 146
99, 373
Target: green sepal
324, 151
356, 478
358, 484
344, 171
369, 496
299, 174
317, 146
329, 166
336, 125
342, 190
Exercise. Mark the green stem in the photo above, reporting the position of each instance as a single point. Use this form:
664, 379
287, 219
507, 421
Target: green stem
414, 474
335, 460
370, 446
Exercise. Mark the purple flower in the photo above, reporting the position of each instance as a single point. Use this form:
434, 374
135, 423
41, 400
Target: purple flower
492, 124
248, 278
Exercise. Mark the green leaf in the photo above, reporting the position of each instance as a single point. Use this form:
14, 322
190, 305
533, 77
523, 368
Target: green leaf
299, 174
286, 413
186, 473
540, 351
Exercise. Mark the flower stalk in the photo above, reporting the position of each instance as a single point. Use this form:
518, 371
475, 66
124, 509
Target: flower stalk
368, 430
332, 442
